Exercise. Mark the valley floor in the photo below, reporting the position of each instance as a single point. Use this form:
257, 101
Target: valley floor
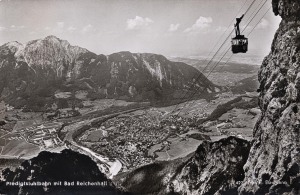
123, 139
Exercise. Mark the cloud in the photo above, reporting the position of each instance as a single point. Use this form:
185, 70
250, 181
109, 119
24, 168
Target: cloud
88, 28
263, 24
138, 23
2, 28
201, 24
173, 27
71, 29
12, 28
60, 24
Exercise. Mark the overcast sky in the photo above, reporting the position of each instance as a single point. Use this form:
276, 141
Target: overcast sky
168, 27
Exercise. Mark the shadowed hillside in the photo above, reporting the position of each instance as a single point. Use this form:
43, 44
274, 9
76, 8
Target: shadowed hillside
67, 166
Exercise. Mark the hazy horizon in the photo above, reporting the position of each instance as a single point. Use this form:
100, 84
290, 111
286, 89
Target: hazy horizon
169, 27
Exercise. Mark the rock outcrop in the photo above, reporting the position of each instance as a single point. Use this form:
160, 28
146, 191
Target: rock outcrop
215, 167
273, 165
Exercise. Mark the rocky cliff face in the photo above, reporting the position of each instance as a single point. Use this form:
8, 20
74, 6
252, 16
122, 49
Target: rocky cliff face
41, 67
274, 160
214, 168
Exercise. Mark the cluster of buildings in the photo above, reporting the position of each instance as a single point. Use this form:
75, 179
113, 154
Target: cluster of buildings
44, 135
130, 137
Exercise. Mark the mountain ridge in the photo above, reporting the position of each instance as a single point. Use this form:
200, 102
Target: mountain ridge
53, 64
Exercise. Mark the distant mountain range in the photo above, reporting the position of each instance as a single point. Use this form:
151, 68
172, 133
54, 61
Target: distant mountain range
249, 59
236, 64
35, 71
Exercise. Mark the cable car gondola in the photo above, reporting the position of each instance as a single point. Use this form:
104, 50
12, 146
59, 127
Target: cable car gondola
239, 44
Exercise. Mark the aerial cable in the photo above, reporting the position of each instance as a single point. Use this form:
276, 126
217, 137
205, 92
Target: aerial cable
199, 76
250, 7
225, 39
251, 30
230, 24
255, 15
259, 21
250, 33
247, 36
242, 31
207, 77
258, 6
211, 60
230, 32
227, 51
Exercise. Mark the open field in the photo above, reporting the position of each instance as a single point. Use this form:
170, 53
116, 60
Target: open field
20, 149
228, 78
102, 104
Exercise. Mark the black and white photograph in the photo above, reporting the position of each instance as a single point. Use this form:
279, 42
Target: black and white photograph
150, 97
